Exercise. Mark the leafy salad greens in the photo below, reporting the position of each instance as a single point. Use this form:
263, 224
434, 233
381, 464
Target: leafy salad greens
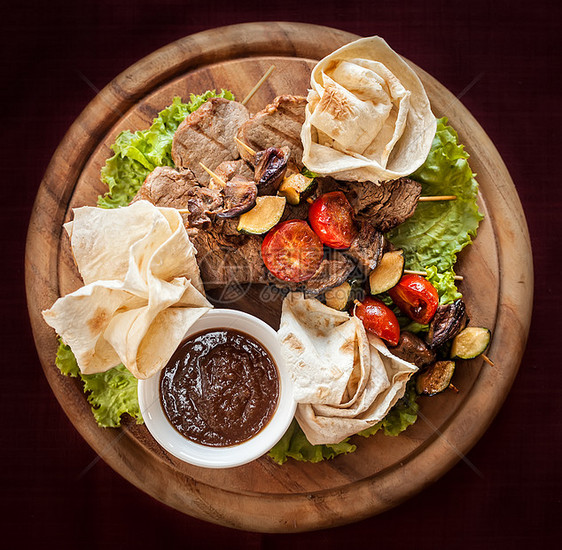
430, 239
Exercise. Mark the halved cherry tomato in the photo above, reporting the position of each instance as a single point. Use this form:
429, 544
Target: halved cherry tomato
378, 319
292, 251
331, 217
416, 297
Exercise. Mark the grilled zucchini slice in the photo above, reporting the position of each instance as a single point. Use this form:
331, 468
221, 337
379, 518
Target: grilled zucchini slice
265, 215
295, 188
338, 297
388, 273
436, 378
470, 343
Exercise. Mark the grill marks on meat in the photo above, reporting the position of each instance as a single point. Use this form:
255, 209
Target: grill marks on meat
207, 136
279, 124
367, 248
386, 205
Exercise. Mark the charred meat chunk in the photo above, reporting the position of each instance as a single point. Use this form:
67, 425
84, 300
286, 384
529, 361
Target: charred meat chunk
385, 205
279, 124
207, 136
270, 168
448, 321
412, 348
367, 248
239, 197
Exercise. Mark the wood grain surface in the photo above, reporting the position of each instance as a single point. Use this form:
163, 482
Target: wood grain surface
263, 496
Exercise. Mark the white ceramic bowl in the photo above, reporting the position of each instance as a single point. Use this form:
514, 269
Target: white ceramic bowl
235, 455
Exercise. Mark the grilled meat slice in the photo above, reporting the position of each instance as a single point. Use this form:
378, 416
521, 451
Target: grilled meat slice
207, 136
386, 205
448, 321
412, 348
228, 259
229, 168
277, 125
167, 187
367, 248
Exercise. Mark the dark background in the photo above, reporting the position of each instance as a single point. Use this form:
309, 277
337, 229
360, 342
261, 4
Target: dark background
55, 55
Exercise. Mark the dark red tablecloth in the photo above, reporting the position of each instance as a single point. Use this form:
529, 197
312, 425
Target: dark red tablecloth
503, 57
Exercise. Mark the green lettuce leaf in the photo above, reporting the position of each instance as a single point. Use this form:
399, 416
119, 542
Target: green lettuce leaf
439, 230
137, 154
295, 445
111, 394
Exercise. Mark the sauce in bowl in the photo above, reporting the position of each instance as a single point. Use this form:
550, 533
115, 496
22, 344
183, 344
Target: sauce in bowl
220, 388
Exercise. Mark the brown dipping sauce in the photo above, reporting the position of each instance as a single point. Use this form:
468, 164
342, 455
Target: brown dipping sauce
220, 388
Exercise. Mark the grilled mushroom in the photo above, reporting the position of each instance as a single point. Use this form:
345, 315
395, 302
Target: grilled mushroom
239, 197
448, 321
270, 168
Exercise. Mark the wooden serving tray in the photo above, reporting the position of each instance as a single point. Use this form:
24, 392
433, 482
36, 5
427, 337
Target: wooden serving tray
263, 496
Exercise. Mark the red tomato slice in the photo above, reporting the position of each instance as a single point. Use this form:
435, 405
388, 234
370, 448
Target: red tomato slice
292, 251
378, 319
416, 297
331, 217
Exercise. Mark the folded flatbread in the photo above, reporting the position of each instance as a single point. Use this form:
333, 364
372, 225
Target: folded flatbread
345, 380
368, 117
142, 289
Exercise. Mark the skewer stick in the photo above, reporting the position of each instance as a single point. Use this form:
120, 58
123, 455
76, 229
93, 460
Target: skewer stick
244, 146
438, 198
218, 179
424, 274
454, 388
258, 85
488, 360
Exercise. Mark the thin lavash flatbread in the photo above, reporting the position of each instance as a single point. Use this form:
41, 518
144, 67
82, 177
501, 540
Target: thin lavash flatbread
142, 289
368, 117
345, 380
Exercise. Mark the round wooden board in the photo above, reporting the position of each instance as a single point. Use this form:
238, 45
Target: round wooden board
263, 496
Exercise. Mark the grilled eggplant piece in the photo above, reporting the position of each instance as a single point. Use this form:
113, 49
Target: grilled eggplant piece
270, 168
448, 321
412, 348
239, 197
435, 378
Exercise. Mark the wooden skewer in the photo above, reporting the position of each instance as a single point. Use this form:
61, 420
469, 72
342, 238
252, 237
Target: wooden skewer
438, 198
424, 274
488, 360
258, 85
244, 146
218, 179
454, 388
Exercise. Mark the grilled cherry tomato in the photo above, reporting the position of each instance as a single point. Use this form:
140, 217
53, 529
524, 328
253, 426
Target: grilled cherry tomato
292, 251
378, 319
331, 217
416, 297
